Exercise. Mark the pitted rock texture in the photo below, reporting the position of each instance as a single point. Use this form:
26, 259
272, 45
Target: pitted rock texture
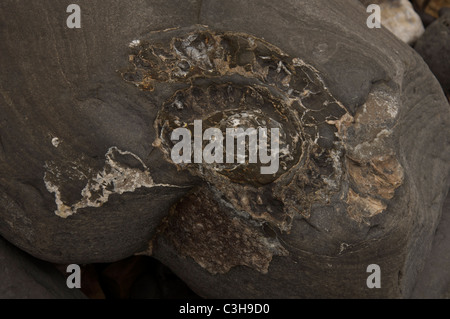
206, 229
364, 185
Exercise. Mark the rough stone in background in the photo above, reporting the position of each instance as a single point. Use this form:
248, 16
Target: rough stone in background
86, 178
399, 17
434, 47
25, 277
433, 7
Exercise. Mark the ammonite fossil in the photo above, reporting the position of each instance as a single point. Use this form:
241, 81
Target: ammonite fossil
235, 80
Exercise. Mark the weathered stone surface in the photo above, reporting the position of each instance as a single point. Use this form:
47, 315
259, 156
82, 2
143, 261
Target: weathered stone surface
434, 47
434, 281
25, 277
86, 176
62, 84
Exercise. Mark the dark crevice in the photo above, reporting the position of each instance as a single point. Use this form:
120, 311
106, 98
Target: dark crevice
136, 277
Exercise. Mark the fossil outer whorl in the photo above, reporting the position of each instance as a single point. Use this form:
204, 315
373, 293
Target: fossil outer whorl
235, 80
231, 78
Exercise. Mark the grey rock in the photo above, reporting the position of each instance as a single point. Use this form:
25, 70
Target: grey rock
434, 281
25, 277
90, 110
434, 47
72, 131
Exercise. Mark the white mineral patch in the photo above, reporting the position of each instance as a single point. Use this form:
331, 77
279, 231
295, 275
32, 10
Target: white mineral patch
114, 178
298, 62
387, 100
343, 247
281, 66
178, 104
134, 43
337, 165
56, 141
62, 210
196, 55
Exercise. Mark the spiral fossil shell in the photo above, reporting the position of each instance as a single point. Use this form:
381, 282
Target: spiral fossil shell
228, 74
221, 77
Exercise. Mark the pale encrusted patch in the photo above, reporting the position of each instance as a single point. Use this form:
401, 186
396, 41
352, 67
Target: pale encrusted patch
114, 178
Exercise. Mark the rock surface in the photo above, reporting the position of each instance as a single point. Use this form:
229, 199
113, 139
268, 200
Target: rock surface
86, 178
434, 281
25, 277
434, 47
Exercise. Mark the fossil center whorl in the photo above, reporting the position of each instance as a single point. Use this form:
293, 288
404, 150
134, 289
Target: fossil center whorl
230, 106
